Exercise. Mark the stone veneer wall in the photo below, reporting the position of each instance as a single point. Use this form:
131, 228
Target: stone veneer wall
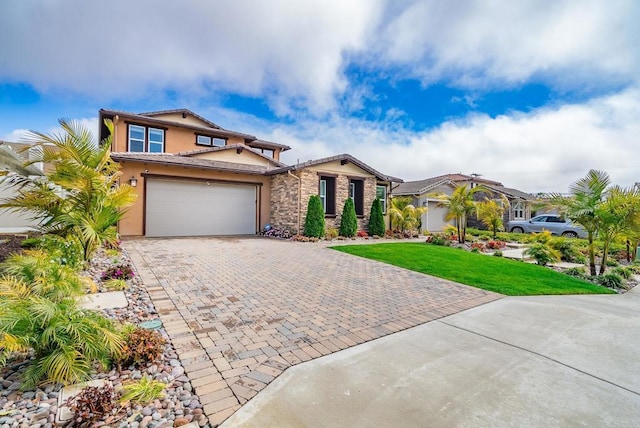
284, 199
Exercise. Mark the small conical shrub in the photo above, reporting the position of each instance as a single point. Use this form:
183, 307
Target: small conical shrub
314, 222
376, 219
348, 222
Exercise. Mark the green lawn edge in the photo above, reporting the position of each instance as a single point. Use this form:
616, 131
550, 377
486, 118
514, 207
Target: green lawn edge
504, 276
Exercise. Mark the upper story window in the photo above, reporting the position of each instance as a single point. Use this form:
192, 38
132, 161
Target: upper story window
356, 192
143, 139
381, 194
327, 193
270, 153
207, 140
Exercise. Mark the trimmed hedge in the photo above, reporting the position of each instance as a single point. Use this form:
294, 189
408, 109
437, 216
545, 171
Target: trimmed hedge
314, 222
376, 219
348, 222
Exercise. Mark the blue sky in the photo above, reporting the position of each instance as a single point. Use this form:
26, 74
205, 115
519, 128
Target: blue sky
531, 93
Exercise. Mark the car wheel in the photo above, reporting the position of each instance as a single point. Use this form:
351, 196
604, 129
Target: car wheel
570, 234
517, 230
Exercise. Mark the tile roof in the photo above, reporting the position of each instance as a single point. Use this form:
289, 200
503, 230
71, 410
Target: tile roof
341, 157
189, 162
183, 111
420, 186
268, 144
204, 129
514, 193
229, 147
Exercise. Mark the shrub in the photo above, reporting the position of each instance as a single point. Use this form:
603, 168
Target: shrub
624, 272
484, 238
348, 222
579, 272
331, 234
496, 245
438, 239
121, 271
497, 253
612, 263
116, 284
362, 234
93, 404
477, 246
143, 391
541, 237
314, 221
450, 231
65, 251
609, 280
568, 250
376, 219
141, 347
542, 253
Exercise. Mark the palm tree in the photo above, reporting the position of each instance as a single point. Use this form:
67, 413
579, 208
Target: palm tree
81, 199
460, 204
583, 206
405, 216
619, 215
491, 213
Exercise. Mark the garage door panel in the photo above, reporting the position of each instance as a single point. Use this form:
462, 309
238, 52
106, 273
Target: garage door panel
191, 208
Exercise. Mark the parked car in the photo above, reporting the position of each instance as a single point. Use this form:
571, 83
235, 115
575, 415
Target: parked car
555, 224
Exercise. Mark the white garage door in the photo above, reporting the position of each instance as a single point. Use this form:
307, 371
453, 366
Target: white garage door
196, 208
433, 220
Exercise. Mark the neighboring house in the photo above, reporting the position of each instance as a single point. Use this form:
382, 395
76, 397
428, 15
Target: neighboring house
194, 178
423, 191
12, 221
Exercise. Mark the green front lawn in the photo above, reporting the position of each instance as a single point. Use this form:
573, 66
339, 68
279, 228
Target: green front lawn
510, 277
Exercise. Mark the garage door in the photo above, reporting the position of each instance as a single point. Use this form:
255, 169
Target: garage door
433, 220
196, 208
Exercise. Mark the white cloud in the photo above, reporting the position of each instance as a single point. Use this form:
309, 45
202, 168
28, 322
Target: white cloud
544, 150
475, 44
24, 135
289, 51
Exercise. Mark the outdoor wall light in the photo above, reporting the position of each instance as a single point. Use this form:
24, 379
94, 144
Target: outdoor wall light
133, 181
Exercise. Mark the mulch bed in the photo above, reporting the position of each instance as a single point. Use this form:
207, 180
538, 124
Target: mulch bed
10, 244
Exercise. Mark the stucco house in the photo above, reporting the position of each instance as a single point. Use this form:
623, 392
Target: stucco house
422, 191
195, 178
12, 221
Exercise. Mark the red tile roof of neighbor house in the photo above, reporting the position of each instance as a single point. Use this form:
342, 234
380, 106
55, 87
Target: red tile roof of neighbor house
342, 157
212, 129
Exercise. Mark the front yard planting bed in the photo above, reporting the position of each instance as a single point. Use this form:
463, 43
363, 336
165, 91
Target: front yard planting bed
509, 277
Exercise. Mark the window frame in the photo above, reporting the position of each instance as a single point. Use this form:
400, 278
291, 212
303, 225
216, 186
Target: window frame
383, 201
146, 139
519, 207
328, 199
212, 141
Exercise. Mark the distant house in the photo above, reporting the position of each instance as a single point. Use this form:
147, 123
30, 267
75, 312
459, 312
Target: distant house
11, 221
422, 192
195, 178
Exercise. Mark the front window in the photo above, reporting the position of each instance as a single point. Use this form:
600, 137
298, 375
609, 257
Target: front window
270, 153
143, 139
381, 194
207, 140
356, 192
156, 140
136, 138
518, 211
327, 193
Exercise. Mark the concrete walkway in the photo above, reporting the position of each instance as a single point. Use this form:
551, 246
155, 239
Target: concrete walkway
242, 311
547, 361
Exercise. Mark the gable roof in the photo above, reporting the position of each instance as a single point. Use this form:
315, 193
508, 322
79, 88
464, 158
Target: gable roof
342, 157
189, 162
184, 111
153, 120
421, 186
462, 177
513, 193
229, 147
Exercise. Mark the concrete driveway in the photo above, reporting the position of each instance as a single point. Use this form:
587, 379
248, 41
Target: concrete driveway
241, 311
548, 361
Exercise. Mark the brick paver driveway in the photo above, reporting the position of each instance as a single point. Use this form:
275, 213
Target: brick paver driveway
240, 311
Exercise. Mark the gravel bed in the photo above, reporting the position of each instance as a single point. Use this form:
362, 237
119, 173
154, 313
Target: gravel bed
179, 406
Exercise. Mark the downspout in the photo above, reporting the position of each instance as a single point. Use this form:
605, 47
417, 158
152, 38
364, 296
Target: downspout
299, 197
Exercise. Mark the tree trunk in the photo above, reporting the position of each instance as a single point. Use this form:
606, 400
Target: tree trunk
592, 256
605, 255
